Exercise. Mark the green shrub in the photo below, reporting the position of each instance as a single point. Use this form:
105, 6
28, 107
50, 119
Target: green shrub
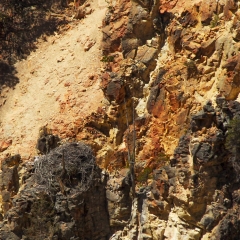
162, 157
190, 64
233, 144
110, 7
144, 175
214, 21
107, 59
233, 136
191, 68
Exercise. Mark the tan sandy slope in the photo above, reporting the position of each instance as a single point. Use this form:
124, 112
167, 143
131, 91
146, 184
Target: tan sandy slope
59, 84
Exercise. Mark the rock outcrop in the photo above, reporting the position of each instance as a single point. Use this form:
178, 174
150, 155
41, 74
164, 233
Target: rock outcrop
196, 195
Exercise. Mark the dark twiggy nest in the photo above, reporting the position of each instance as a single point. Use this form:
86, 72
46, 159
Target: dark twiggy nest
65, 167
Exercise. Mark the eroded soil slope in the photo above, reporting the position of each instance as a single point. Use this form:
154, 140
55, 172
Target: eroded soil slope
58, 83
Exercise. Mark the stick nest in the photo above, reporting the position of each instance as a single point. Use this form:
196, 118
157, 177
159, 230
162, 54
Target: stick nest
69, 165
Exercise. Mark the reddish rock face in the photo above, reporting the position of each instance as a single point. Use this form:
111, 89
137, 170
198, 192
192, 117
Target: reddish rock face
160, 107
207, 8
167, 5
5, 144
115, 26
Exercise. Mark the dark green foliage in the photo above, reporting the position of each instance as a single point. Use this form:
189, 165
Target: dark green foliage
162, 157
233, 136
233, 144
107, 59
191, 68
214, 21
144, 175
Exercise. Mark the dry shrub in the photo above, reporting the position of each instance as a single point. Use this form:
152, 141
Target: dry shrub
66, 166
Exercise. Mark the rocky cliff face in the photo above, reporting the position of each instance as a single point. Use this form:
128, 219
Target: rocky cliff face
195, 197
170, 76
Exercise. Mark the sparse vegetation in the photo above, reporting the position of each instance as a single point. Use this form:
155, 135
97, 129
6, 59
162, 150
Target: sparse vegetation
110, 6
191, 68
144, 175
214, 21
233, 142
107, 59
190, 64
162, 157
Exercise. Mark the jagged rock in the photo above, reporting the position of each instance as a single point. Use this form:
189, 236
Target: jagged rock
9, 181
5, 144
146, 55
81, 11
115, 91
237, 35
212, 216
194, 197
119, 200
46, 143
208, 47
152, 98
232, 63
130, 46
207, 12
8, 236
208, 107
202, 119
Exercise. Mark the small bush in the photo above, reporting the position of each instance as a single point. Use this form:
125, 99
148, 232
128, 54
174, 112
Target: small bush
144, 175
214, 21
107, 59
233, 136
233, 142
190, 64
162, 157
191, 68
110, 7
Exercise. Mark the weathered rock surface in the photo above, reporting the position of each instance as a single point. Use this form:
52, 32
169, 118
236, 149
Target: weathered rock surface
196, 195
